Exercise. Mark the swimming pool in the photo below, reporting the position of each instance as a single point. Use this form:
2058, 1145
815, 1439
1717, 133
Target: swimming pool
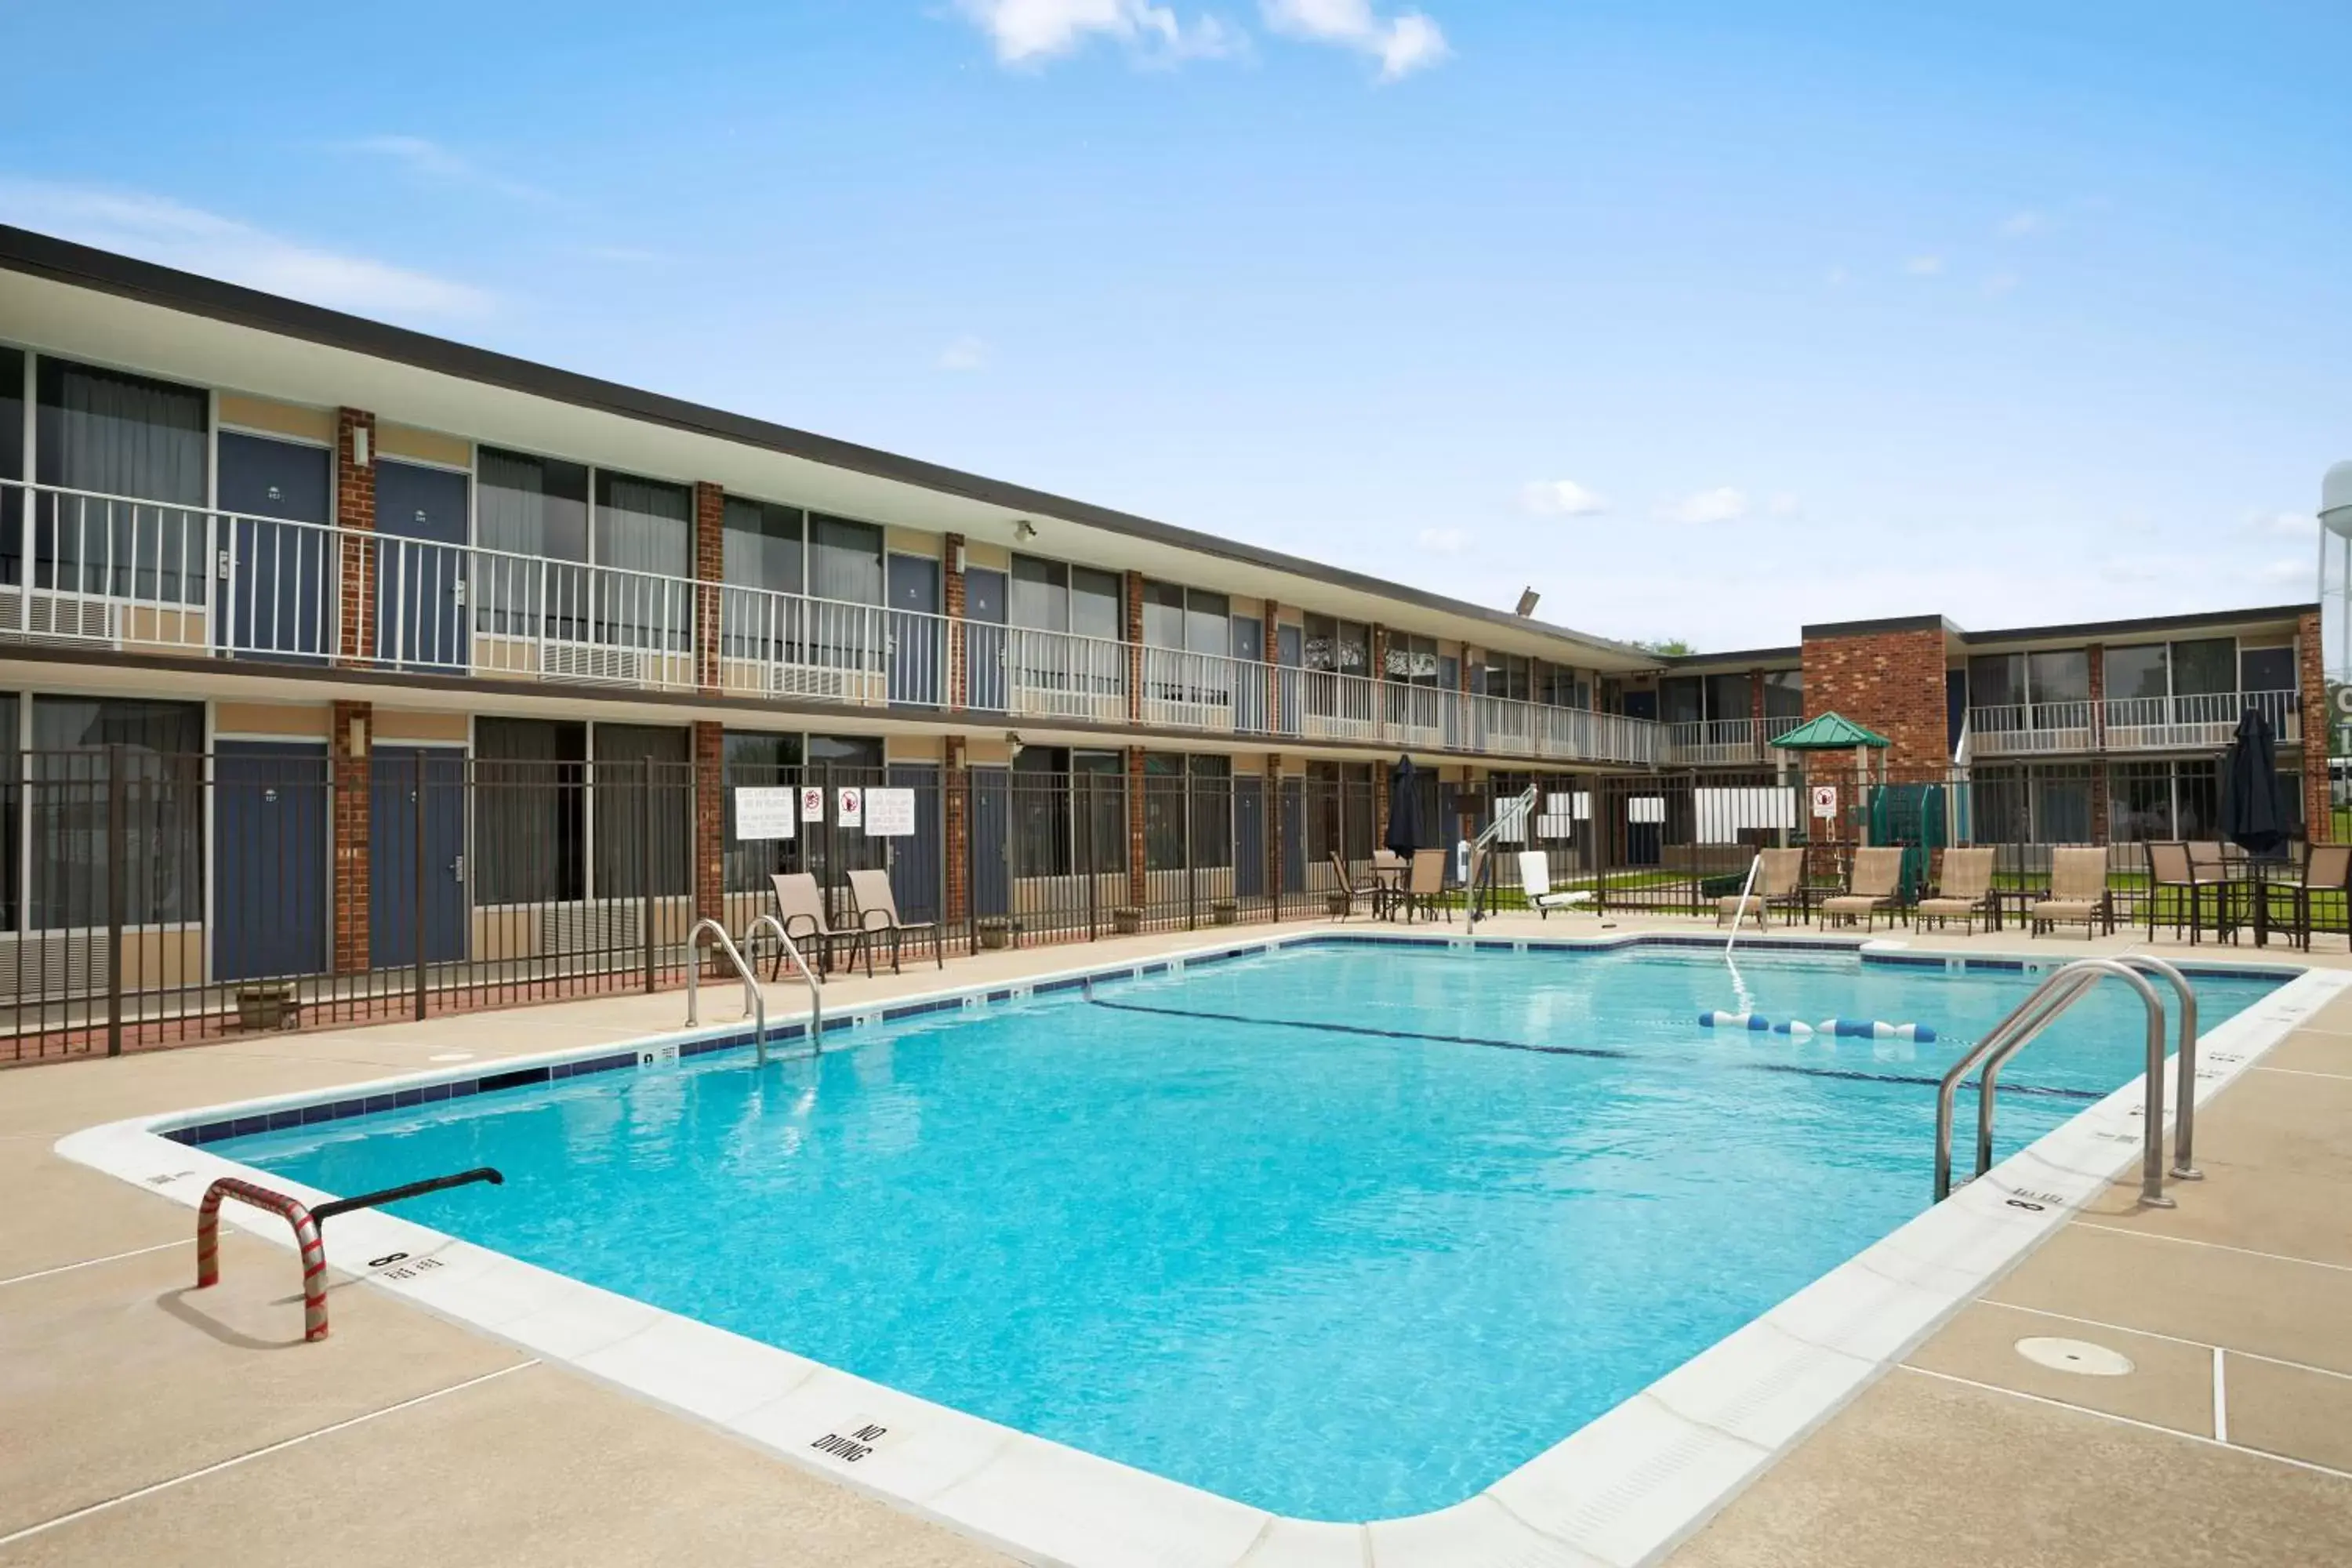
1339, 1231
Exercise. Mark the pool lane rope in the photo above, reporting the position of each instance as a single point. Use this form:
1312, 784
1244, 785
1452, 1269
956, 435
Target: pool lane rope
1846, 1029
306, 1241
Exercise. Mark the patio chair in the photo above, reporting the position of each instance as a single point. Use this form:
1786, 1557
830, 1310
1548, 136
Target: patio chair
1964, 893
2223, 867
2170, 870
1780, 885
1346, 890
2078, 891
1535, 881
877, 913
1425, 886
800, 906
1872, 889
2327, 869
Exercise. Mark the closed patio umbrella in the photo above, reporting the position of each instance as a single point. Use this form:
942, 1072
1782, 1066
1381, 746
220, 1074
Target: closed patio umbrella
1404, 835
2250, 818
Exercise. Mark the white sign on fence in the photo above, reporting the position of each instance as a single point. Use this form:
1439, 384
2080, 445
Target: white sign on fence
1647, 808
1510, 821
1724, 814
812, 803
852, 806
763, 813
1825, 801
890, 813
1562, 812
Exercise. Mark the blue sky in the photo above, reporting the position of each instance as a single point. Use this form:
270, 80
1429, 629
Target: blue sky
1704, 318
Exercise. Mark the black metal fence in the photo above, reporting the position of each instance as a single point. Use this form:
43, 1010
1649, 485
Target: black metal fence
149, 899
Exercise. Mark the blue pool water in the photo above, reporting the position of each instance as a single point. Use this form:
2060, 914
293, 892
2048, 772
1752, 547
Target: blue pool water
1187, 1223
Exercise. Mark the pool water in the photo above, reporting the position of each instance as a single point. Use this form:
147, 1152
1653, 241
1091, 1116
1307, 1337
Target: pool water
1342, 1231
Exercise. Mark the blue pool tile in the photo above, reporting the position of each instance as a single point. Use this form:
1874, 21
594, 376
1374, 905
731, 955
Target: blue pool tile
433, 1091
376, 1102
279, 1121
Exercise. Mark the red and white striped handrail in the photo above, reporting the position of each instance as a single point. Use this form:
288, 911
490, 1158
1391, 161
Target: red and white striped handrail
306, 1240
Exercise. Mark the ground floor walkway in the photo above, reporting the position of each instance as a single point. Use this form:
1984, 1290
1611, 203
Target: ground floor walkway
143, 1424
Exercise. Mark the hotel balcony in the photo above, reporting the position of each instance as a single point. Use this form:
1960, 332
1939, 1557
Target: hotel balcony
2206, 722
1724, 742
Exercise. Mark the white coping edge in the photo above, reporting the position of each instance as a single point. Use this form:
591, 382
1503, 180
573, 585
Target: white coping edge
1621, 1491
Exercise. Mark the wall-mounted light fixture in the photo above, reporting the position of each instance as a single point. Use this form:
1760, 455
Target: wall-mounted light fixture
1024, 529
358, 735
359, 446
957, 565
1012, 741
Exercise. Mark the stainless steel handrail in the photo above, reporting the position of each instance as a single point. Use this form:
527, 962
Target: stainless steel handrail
2151, 1184
2184, 1070
808, 976
2033, 1012
754, 1003
1525, 805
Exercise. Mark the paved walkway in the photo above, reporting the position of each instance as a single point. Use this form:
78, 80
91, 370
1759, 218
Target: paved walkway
143, 1424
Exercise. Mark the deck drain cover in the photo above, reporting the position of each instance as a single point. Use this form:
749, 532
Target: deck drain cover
2074, 1355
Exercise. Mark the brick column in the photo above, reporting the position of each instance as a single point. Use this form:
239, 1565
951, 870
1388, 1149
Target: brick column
1134, 652
956, 779
2097, 654
1135, 874
355, 511
2311, 675
710, 821
1274, 829
1270, 645
353, 881
1756, 701
958, 694
709, 572
1379, 635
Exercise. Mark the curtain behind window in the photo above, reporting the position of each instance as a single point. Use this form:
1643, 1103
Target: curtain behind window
762, 546
121, 436
631, 760
529, 806
12, 464
845, 561
531, 506
162, 747
644, 525
1097, 604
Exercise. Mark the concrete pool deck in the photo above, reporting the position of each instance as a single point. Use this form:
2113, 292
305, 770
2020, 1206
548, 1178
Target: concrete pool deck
141, 1422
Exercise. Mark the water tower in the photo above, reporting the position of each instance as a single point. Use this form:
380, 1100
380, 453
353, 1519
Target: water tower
2336, 522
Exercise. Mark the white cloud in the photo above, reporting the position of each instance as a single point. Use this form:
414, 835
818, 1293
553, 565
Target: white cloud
431, 162
1402, 44
2018, 225
1027, 32
2284, 573
1559, 498
2292, 524
1444, 541
966, 352
1722, 504
162, 230
1924, 266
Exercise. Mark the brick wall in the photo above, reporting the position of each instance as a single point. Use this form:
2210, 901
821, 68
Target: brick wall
1273, 815
2312, 676
355, 509
957, 851
1135, 656
1892, 682
1135, 873
951, 589
2097, 655
710, 571
353, 888
711, 821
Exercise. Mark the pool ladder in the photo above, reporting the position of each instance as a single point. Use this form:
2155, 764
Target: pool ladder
755, 1001
2037, 1013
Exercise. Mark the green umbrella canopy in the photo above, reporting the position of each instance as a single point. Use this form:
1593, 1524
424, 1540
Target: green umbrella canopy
1831, 733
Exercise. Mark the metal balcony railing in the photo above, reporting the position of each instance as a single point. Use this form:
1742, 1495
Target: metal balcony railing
2200, 722
109, 570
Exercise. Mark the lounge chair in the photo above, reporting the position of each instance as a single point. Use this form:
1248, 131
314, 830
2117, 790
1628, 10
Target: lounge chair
877, 913
799, 905
1963, 894
1535, 881
1780, 885
2078, 891
1425, 886
1873, 889
2327, 869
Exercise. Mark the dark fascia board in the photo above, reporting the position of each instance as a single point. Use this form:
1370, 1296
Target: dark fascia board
2088, 630
1825, 629
1744, 658
81, 265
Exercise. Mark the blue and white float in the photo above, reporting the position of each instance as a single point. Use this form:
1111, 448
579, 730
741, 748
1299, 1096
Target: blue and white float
1848, 1028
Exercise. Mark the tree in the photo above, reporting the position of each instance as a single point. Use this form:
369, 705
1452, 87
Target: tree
1665, 648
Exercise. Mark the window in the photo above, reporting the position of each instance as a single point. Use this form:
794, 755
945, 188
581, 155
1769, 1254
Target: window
1190, 618
1097, 604
1412, 661
1508, 675
2139, 802
1556, 686
761, 545
2055, 678
531, 506
2137, 674
2206, 667
1729, 697
11, 467
1211, 835
2267, 670
2061, 805
1344, 647
528, 810
1681, 699
1163, 812
119, 435
1041, 594
1042, 837
757, 762
845, 559
1997, 680
645, 810
1163, 615
1338, 812
644, 525
76, 741
1784, 694
1099, 780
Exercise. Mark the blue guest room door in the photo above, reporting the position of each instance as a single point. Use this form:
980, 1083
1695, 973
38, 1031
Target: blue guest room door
270, 834
420, 570
396, 815
281, 578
